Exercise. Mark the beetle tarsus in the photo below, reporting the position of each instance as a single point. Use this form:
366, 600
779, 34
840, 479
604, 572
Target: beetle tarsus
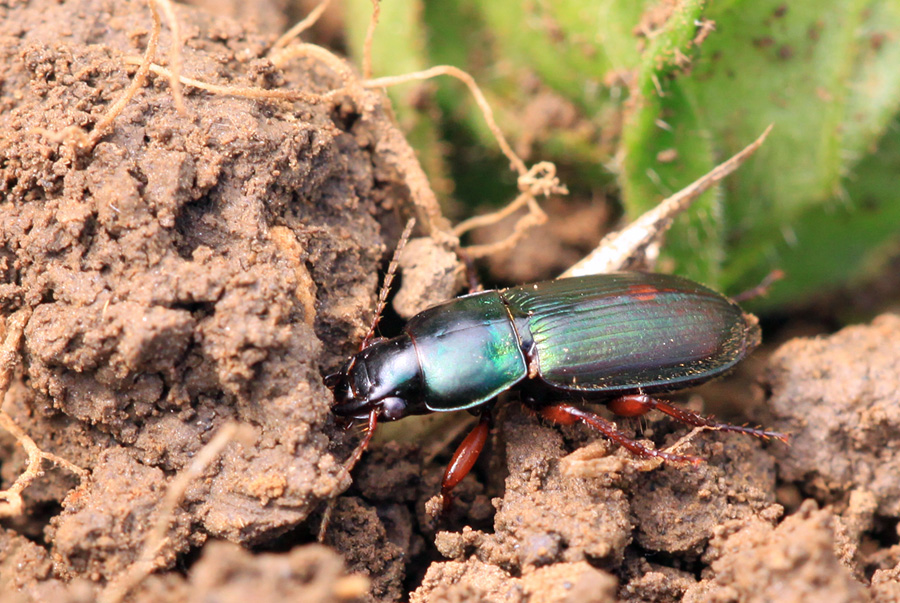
762, 289
566, 414
464, 459
638, 404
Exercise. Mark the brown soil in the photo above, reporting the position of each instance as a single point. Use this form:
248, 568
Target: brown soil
191, 270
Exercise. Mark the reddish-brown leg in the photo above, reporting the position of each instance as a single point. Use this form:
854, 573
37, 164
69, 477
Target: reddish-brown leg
464, 458
357, 453
346, 469
566, 414
639, 404
471, 273
761, 289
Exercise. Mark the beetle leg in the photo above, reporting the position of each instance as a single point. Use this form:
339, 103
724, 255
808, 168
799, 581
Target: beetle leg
370, 431
638, 404
471, 274
350, 463
566, 414
346, 469
760, 290
464, 458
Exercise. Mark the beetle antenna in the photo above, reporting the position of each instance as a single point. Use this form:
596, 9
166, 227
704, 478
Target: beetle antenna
388, 281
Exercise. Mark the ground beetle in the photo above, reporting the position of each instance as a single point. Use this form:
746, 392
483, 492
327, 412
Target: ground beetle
614, 338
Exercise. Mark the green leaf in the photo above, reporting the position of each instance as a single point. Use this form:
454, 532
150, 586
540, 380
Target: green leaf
398, 47
665, 147
645, 93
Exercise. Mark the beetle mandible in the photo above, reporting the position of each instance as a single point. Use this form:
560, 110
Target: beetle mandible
614, 338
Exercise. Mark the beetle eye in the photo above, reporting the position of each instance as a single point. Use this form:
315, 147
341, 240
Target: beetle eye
393, 408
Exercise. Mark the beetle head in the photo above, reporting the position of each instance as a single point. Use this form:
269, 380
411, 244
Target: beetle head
384, 377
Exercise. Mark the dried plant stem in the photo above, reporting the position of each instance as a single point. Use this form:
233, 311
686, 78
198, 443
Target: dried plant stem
101, 128
383, 82
156, 538
242, 91
175, 62
302, 25
617, 249
11, 503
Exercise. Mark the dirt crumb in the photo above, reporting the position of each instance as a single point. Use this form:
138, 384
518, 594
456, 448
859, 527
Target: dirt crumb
431, 274
528, 532
886, 585
678, 508
228, 573
577, 582
651, 582
359, 535
21, 562
104, 523
837, 397
470, 580
794, 562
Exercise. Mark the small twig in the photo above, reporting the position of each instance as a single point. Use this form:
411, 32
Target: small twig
683, 440
302, 25
616, 249
761, 289
146, 563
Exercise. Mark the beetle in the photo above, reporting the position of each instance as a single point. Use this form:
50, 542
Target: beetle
613, 338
